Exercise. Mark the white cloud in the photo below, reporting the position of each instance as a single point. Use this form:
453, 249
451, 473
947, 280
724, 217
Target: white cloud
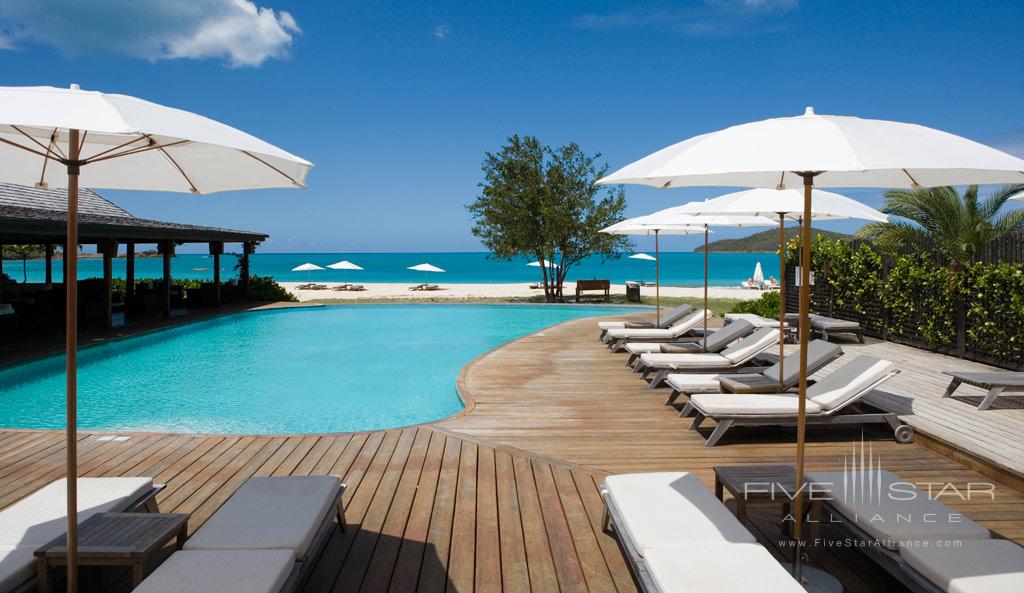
238, 31
696, 18
441, 31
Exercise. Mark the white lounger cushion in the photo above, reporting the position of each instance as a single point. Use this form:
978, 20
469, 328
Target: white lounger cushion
42, 515
17, 565
684, 325
864, 497
694, 382
669, 508
221, 571
642, 347
697, 360
750, 404
718, 568
848, 381
977, 566
270, 513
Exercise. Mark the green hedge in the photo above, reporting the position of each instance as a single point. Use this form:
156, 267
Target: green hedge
918, 296
766, 306
264, 288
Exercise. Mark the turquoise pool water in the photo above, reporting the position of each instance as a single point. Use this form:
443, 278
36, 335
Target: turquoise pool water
329, 369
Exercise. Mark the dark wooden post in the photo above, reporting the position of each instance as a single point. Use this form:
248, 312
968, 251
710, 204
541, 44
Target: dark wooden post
129, 269
108, 249
167, 249
243, 276
216, 249
49, 263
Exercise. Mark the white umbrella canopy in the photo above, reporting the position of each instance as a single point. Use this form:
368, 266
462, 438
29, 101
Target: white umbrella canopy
643, 256
758, 273
827, 151
129, 143
769, 203
847, 151
307, 267
52, 137
537, 264
425, 268
344, 265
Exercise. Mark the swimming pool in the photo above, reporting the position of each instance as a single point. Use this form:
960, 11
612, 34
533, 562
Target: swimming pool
303, 370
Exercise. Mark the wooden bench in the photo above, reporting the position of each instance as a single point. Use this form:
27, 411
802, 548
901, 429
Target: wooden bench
604, 286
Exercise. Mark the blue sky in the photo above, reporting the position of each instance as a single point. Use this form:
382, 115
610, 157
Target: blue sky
397, 102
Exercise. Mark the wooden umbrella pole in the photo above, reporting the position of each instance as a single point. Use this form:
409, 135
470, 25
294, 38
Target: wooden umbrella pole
71, 359
805, 331
782, 300
657, 277
705, 340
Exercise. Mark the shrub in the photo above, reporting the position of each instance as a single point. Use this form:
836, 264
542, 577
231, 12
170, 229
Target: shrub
766, 306
264, 288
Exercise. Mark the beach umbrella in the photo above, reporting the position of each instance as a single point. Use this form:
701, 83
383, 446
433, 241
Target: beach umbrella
825, 151
642, 257
637, 226
308, 268
426, 269
673, 217
344, 265
550, 265
52, 137
784, 204
758, 273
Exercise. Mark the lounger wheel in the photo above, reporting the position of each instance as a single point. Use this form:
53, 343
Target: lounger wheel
904, 433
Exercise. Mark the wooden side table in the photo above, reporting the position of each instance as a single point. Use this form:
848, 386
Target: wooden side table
115, 539
756, 484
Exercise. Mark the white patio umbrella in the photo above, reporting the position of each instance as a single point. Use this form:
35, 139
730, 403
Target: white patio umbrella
643, 257
758, 273
640, 226
672, 216
51, 137
784, 204
344, 265
827, 151
426, 269
550, 265
308, 268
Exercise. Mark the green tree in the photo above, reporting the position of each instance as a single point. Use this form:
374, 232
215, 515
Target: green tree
543, 203
959, 225
24, 252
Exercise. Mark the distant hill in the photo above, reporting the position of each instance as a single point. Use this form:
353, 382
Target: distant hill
764, 241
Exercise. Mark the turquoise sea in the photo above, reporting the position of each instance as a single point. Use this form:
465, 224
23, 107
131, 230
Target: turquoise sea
677, 268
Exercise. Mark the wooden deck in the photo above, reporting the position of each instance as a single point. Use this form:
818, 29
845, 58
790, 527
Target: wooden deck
504, 496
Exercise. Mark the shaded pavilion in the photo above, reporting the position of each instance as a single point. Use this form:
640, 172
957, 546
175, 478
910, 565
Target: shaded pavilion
33, 216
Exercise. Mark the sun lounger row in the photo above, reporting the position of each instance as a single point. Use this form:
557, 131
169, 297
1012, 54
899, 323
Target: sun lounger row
265, 539
916, 538
41, 516
425, 287
679, 538
739, 354
349, 287
713, 342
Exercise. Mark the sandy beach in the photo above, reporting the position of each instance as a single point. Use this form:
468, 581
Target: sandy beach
511, 290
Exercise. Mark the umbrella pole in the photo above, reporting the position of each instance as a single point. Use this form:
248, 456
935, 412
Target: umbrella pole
782, 299
71, 359
705, 340
805, 330
657, 277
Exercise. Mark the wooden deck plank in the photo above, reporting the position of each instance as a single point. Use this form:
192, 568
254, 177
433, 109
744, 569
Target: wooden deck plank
488, 549
433, 576
515, 573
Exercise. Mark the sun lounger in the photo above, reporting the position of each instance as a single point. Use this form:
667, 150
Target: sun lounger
265, 539
667, 320
42, 516
829, 325
916, 538
617, 338
342, 287
829, 401
732, 359
715, 342
662, 520
356, 287
819, 354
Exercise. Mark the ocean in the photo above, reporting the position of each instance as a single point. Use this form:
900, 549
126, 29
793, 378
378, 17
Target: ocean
677, 268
